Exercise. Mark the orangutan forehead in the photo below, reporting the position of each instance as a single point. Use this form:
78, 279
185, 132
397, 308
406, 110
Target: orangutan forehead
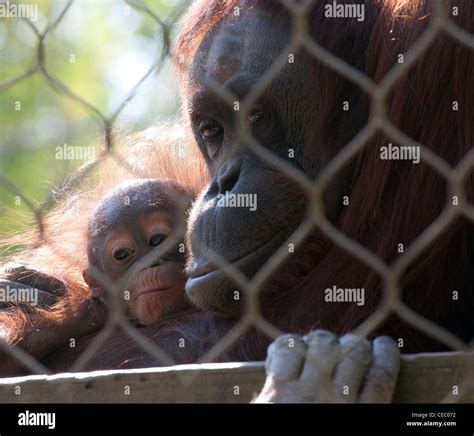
241, 45
133, 220
129, 202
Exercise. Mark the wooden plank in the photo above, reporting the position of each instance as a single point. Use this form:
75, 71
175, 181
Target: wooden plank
206, 383
426, 377
434, 377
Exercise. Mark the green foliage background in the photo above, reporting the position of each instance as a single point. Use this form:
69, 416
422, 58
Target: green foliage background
99, 50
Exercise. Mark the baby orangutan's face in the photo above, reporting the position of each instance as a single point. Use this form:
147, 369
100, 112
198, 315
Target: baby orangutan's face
132, 232
155, 291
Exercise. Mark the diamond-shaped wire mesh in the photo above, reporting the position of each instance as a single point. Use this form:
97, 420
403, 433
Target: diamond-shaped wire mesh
378, 123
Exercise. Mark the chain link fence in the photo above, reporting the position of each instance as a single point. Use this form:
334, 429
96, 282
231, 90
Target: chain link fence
378, 122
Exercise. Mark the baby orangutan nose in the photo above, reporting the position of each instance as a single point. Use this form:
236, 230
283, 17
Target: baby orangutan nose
129, 223
156, 292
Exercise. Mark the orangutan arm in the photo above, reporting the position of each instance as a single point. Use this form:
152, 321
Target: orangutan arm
39, 334
29, 325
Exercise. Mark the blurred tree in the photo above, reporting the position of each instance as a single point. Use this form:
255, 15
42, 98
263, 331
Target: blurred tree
99, 51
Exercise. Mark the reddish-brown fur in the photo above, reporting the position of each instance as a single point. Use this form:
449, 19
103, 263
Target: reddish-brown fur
390, 203
152, 153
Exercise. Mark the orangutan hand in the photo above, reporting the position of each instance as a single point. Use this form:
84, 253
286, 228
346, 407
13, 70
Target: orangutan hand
44, 288
322, 368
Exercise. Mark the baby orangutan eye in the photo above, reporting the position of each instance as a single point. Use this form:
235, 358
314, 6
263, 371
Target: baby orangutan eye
156, 240
122, 254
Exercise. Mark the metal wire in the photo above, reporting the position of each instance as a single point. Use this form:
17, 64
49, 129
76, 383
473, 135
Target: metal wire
377, 123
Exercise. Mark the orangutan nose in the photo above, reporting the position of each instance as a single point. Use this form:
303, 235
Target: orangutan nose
228, 176
158, 262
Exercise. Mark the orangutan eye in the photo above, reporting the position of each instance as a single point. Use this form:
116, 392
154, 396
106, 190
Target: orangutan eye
156, 240
256, 116
210, 130
122, 254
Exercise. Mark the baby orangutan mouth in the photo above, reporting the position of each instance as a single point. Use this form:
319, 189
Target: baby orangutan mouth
151, 291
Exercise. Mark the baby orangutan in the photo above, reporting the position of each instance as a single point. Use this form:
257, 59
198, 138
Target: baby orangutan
131, 221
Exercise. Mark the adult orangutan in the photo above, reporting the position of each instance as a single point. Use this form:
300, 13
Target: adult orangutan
384, 204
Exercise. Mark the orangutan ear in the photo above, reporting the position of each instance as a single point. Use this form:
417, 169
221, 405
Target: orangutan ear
97, 291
